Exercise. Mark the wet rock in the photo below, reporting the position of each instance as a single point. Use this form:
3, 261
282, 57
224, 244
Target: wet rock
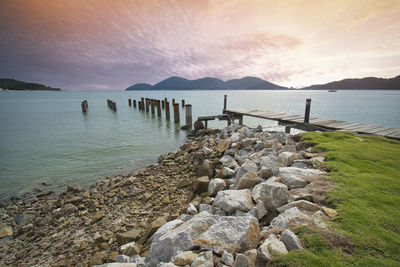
248, 181
66, 210
271, 248
291, 176
200, 184
273, 195
185, 258
73, 189
215, 186
290, 240
290, 217
232, 200
132, 235
301, 205
204, 259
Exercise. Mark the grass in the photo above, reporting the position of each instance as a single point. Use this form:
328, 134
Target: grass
366, 170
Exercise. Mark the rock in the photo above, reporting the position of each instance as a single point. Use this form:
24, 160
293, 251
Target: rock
273, 195
153, 227
117, 264
98, 258
23, 219
215, 186
206, 207
191, 210
272, 247
259, 146
165, 228
5, 231
232, 200
291, 176
286, 158
330, 212
185, 258
200, 184
261, 211
235, 137
265, 173
99, 214
226, 160
290, 240
206, 169
241, 261
290, 217
218, 233
246, 167
66, 210
223, 145
272, 143
184, 182
318, 220
198, 125
132, 235
246, 142
228, 172
130, 249
73, 189
288, 148
301, 205
204, 259
248, 181
207, 151
227, 258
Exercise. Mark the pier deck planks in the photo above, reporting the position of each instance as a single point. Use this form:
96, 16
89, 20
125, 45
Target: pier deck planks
329, 125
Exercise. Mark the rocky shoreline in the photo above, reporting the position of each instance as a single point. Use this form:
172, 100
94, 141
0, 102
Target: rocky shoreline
224, 198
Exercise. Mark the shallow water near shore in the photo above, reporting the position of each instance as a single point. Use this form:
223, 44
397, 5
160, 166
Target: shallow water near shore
46, 138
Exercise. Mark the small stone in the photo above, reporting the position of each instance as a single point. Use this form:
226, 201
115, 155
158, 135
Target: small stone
227, 258
248, 181
99, 214
185, 258
223, 145
215, 186
330, 212
286, 159
5, 231
204, 259
272, 247
301, 205
228, 172
191, 210
206, 169
132, 235
184, 182
290, 240
206, 207
130, 249
241, 261
198, 125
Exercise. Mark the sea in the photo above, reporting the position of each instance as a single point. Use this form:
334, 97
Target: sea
46, 139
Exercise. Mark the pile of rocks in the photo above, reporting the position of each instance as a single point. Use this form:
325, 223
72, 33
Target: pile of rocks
252, 187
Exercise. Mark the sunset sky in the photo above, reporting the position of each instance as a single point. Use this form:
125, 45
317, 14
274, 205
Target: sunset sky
111, 44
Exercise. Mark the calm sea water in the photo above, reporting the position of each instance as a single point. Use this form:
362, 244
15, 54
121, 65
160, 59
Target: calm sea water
45, 137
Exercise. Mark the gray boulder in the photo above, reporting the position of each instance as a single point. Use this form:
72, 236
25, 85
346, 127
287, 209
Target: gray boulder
291, 176
272, 194
271, 248
228, 172
226, 160
204, 259
248, 181
206, 169
241, 261
290, 240
289, 218
232, 200
215, 186
286, 158
301, 205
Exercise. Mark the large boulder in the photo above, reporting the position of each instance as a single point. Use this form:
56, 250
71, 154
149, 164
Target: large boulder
290, 240
215, 186
248, 181
291, 176
286, 158
290, 218
232, 200
226, 160
272, 194
206, 169
204, 259
200, 184
271, 248
209, 232
223, 145
247, 166
301, 205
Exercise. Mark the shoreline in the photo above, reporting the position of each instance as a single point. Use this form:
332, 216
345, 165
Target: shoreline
88, 227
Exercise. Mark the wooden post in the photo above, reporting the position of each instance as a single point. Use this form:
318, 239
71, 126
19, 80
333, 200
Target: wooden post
241, 120
225, 101
134, 103
176, 113
307, 112
108, 103
158, 108
130, 102
162, 104
167, 115
287, 129
173, 101
188, 114
114, 106
84, 108
86, 104
165, 100
183, 103
142, 103
152, 106
147, 105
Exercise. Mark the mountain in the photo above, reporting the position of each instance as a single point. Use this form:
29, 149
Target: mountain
209, 83
252, 83
139, 86
369, 83
11, 84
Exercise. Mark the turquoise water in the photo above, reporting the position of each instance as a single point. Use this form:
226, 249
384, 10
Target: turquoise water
46, 138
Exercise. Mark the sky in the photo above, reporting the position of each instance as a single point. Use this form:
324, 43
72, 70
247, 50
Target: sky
112, 44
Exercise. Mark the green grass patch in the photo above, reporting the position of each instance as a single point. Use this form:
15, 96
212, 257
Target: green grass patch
367, 198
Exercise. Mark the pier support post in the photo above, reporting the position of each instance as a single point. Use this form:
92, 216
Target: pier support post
130, 102
307, 112
167, 115
173, 101
176, 113
225, 101
147, 104
287, 129
152, 106
188, 113
134, 103
163, 104
241, 120
158, 108
183, 103
84, 107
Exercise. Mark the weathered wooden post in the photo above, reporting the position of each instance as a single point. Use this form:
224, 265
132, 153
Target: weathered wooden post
84, 108
287, 129
86, 104
176, 113
134, 103
307, 112
225, 101
109, 103
152, 106
183, 103
162, 104
173, 101
188, 114
167, 115
158, 102
241, 120
147, 105
114, 106
130, 102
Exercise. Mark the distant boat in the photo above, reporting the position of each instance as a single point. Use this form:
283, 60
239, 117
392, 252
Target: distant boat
332, 90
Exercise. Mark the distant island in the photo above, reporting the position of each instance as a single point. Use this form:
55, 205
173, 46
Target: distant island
11, 84
369, 83
254, 83
208, 83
